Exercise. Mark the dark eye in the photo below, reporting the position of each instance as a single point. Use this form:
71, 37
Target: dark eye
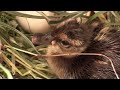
65, 44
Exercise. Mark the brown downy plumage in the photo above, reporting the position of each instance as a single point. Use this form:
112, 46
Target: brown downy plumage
73, 37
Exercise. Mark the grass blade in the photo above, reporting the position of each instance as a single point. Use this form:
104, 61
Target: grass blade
95, 15
7, 72
15, 30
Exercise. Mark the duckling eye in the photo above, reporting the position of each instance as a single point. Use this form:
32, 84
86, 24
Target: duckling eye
65, 44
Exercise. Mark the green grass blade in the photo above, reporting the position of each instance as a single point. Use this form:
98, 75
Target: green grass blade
7, 72
95, 15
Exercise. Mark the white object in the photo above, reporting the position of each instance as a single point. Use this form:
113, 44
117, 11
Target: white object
33, 25
71, 11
